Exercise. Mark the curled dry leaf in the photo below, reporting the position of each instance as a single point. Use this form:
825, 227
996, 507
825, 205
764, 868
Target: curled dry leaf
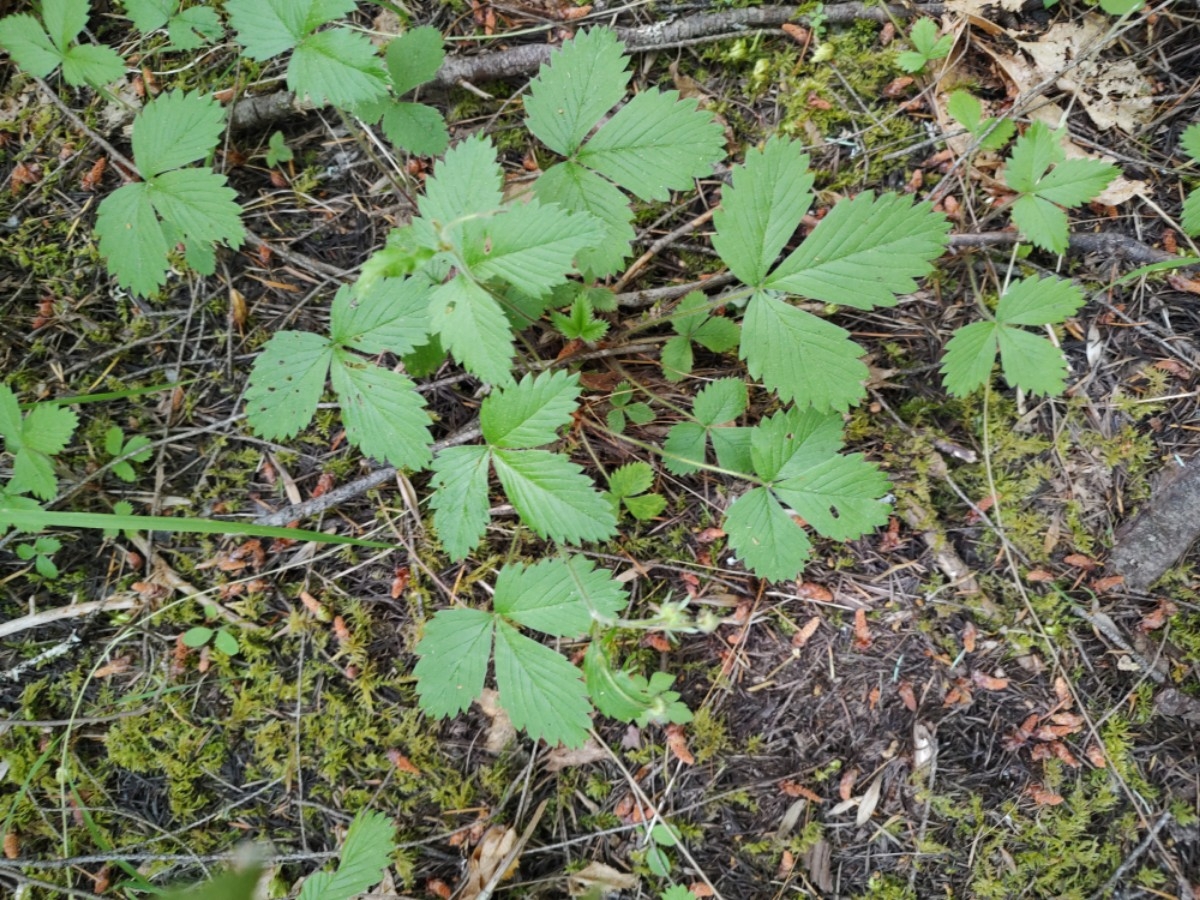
501, 732
862, 633
907, 696
599, 880
796, 789
846, 784
1044, 797
869, 801
989, 682
677, 744
802, 637
486, 860
924, 747
563, 758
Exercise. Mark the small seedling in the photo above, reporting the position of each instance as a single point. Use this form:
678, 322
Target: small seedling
40, 552
927, 46
277, 150
134, 450
694, 322
222, 639
623, 408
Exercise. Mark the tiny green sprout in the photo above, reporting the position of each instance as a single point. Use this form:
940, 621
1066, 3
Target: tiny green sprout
126, 452
39, 552
622, 409
927, 46
581, 323
1190, 217
277, 150
221, 639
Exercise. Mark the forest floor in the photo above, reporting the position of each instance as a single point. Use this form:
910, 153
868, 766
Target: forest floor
971, 702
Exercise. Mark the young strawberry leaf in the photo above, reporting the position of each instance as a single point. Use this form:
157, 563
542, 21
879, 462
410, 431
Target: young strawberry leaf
628, 486
138, 223
39, 51
581, 324
390, 316
1030, 362
927, 46
338, 66
188, 29
1045, 181
467, 181
693, 321
796, 455
968, 112
33, 440
718, 404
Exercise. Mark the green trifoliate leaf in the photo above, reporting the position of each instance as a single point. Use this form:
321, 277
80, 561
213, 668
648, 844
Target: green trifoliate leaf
460, 498
560, 596
277, 150
865, 251
542, 693
553, 496
969, 357
366, 854
1038, 301
384, 415
268, 28
1031, 362
656, 143
44, 432
390, 316
473, 327
577, 189
645, 506
90, 64
453, 651
762, 208
800, 356
29, 45
581, 324
466, 181
1070, 183
414, 58
677, 358
585, 79
529, 413
1189, 141
175, 129
764, 536
839, 496
927, 44
532, 246
721, 401
339, 67
286, 383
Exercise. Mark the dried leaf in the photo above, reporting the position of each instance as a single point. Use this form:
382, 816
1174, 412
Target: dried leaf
599, 880
870, 800
862, 633
907, 696
677, 744
501, 732
562, 758
1043, 797
989, 682
802, 637
487, 858
795, 789
846, 784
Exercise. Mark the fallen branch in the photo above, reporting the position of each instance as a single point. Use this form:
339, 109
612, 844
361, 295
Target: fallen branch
1111, 244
